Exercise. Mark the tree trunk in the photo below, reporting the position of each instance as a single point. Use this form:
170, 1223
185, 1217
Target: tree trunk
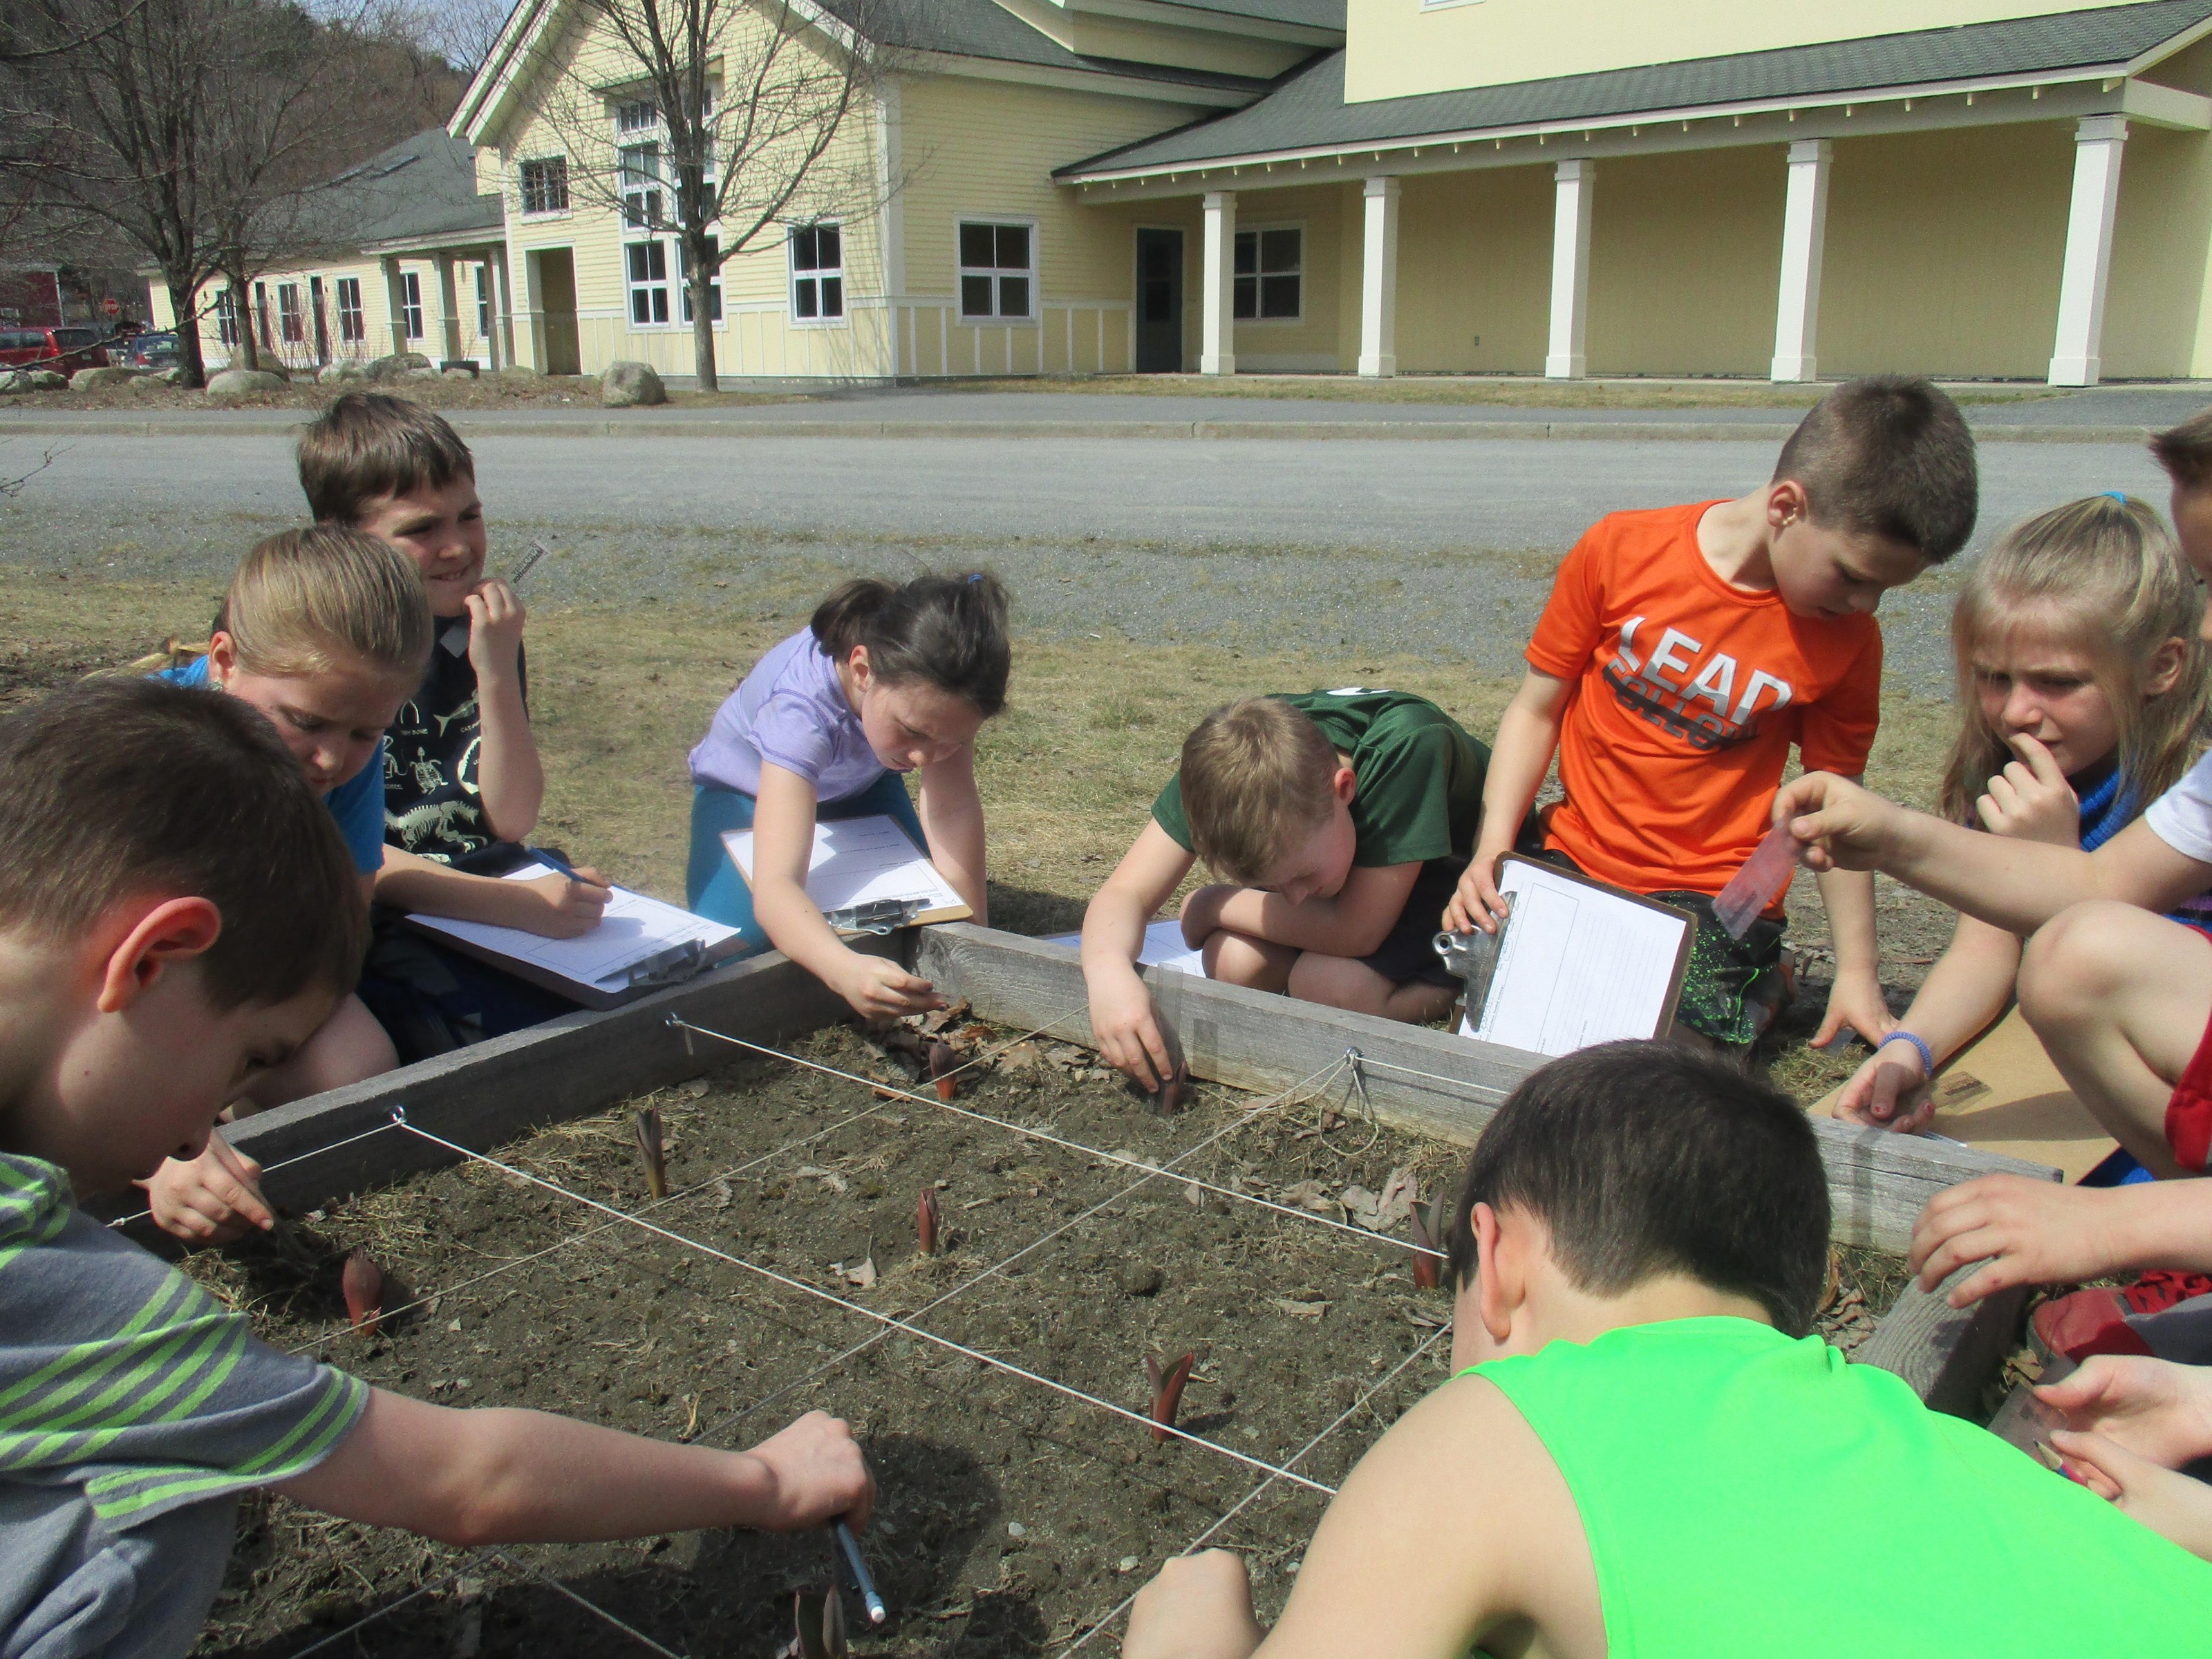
182, 307
248, 354
700, 283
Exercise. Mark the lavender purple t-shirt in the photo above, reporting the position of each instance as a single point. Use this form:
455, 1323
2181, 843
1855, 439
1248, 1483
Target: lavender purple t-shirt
792, 710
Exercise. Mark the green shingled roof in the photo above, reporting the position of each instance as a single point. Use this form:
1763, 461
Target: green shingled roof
423, 188
985, 29
1307, 110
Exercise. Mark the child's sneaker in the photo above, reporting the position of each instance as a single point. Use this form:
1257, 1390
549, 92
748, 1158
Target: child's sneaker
2097, 1322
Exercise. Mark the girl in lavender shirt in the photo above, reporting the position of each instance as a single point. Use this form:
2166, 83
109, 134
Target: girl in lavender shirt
885, 680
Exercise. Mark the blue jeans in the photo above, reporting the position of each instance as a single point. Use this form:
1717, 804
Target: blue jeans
712, 886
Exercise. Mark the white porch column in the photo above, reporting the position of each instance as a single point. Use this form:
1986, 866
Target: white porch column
2075, 358
502, 307
447, 333
395, 302
1217, 351
1378, 288
1804, 236
1570, 241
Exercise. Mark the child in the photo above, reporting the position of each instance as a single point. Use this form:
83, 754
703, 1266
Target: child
2119, 994
1683, 653
1340, 818
176, 913
2078, 630
1643, 1453
462, 782
883, 681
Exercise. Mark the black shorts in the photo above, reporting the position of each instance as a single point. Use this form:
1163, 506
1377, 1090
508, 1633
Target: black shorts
1409, 952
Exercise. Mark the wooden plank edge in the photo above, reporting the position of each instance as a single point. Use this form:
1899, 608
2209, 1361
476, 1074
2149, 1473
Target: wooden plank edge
1945, 1354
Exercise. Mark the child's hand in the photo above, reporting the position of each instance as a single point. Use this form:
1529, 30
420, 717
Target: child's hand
208, 1200
1477, 903
573, 900
2177, 1507
1199, 1606
1201, 912
2153, 1408
496, 619
819, 1475
2031, 1232
1127, 1026
1890, 1092
2030, 799
1855, 999
878, 988
1838, 826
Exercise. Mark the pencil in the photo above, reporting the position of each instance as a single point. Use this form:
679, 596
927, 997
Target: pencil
877, 1611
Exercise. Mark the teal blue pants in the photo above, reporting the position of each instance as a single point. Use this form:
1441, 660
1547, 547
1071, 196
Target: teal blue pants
712, 886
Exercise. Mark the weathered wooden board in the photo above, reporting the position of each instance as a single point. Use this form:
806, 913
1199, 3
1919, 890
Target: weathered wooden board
1431, 1082
1946, 1353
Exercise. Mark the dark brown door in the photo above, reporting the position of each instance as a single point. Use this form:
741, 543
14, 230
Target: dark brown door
1159, 302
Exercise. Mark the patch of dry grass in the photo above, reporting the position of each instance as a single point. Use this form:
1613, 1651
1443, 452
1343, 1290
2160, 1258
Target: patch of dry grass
1511, 392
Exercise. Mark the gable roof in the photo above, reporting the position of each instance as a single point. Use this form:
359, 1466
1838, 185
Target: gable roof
1308, 111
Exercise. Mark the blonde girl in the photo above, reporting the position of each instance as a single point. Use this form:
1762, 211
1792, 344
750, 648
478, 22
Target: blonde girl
2084, 682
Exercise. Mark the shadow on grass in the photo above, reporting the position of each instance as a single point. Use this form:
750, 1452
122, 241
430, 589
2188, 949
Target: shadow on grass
1039, 914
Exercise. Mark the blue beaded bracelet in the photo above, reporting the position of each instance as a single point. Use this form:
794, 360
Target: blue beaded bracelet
1927, 1054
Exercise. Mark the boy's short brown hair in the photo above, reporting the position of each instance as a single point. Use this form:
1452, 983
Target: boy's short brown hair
2185, 450
1887, 455
116, 789
367, 445
1256, 776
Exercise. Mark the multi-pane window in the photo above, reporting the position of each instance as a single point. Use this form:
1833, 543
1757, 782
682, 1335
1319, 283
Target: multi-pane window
352, 329
261, 311
1270, 275
640, 186
713, 285
291, 322
226, 317
646, 264
483, 300
545, 185
640, 115
998, 271
817, 273
410, 303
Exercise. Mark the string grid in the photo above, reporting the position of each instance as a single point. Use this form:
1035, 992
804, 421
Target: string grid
1272, 1475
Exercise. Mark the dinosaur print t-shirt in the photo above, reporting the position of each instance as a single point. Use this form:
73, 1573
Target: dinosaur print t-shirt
1688, 695
433, 803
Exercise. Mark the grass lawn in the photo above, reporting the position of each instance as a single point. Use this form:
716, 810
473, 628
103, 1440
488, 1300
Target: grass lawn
1069, 772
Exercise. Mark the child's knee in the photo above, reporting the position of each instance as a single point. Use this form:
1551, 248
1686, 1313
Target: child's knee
350, 1047
1339, 982
2077, 962
1234, 959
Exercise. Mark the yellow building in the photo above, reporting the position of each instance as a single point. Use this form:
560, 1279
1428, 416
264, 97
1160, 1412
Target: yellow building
1755, 187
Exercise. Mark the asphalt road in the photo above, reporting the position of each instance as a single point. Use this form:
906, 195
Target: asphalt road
1437, 547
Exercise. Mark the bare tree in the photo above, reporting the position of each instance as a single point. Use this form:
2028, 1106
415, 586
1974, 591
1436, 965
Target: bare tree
737, 108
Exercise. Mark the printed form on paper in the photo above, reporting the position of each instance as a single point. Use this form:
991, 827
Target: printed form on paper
860, 861
1581, 965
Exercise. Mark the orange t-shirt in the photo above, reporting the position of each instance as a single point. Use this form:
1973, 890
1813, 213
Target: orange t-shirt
1687, 693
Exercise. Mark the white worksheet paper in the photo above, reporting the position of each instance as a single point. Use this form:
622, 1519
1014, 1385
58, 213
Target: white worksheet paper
1163, 948
860, 861
632, 928
1580, 966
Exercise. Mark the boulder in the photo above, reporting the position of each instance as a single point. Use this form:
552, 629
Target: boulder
244, 383
391, 368
144, 384
172, 375
626, 385
520, 373
332, 373
91, 380
13, 381
45, 380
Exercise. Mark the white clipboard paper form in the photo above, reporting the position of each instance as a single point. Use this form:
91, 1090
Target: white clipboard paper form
632, 928
1581, 965
861, 861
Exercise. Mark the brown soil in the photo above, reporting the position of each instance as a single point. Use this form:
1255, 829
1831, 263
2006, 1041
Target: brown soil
1011, 1517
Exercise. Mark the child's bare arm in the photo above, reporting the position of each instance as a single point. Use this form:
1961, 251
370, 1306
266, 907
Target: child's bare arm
555, 906
952, 817
508, 774
1121, 1016
1527, 737
1967, 989
498, 1476
2038, 1233
1353, 922
1856, 999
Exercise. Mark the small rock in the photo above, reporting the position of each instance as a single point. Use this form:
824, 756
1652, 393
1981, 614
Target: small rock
1140, 1278
391, 368
91, 380
12, 381
1127, 1564
698, 1087
630, 385
244, 383
1016, 1529
45, 380
143, 383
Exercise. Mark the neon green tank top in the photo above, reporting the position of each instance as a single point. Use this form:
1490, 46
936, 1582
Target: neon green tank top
1747, 1494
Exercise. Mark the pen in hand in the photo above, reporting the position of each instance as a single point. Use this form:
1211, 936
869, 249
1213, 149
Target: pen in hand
874, 1603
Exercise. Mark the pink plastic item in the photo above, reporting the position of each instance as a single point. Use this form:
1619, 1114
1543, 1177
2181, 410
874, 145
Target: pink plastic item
1753, 888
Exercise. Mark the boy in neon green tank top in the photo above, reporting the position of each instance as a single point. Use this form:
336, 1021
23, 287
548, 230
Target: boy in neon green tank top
1643, 1454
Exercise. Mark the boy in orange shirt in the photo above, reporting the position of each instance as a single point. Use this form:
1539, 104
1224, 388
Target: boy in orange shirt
1685, 650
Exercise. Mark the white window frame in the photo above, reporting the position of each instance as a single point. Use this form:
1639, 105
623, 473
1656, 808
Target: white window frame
410, 304
226, 316
962, 272
798, 279
353, 324
1258, 276
291, 319
522, 181
646, 287
643, 176
683, 287
636, 115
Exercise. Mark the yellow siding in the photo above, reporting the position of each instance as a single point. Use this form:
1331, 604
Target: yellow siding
1396, 48
1474, 272
2156, 310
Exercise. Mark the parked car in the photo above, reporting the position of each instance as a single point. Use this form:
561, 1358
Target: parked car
64, 350
148, 350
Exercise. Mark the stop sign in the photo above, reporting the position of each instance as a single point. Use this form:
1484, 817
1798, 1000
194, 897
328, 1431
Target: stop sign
111, 307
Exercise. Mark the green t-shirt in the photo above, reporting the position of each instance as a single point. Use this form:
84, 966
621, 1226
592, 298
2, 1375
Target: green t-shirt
1745, 1494
1419, 795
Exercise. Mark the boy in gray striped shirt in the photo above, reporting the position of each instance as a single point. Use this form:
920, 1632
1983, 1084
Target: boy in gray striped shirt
168, 885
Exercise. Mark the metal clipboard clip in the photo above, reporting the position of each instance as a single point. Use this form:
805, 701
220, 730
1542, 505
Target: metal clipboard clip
673, 966
878, 916
1471, 957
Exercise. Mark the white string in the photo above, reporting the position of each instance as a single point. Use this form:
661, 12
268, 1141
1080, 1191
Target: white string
416, 1594
1459, 1084
271, 1169
769, 1273
581, 1600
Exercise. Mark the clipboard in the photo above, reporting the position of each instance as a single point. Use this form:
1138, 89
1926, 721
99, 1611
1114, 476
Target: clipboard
640, 945
1579, 962
866, 876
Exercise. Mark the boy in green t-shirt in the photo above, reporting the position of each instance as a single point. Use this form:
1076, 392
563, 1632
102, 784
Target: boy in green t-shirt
1644, 1455
1336, 817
